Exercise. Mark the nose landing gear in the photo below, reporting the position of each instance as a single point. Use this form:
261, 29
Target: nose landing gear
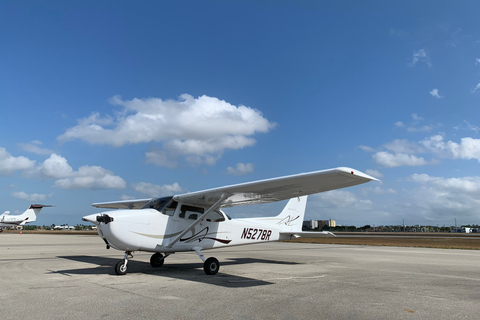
121, 268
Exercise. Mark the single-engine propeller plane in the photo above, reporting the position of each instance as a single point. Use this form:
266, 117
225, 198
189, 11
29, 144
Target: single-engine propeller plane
195, 222
19, 220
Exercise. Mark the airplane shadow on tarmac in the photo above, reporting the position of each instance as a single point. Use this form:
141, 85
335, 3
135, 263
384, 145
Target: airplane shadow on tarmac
183, 271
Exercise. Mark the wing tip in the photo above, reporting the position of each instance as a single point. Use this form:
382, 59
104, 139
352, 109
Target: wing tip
356, 173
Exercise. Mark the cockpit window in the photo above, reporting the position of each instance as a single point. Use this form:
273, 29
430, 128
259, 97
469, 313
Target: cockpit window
165, 205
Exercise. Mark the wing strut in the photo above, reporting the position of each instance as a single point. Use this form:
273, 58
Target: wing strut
184, 232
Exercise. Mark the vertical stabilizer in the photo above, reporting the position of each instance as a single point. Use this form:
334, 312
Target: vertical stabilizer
291, 218
31, 213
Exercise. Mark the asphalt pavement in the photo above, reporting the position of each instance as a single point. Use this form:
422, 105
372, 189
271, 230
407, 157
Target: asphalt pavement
72, 276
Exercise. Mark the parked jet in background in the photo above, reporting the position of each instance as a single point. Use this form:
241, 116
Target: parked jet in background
30, 215
194, 221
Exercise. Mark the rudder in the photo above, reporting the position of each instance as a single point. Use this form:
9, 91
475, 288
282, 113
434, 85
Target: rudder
291, 217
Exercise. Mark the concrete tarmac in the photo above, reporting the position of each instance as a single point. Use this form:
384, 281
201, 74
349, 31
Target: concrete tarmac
72, 277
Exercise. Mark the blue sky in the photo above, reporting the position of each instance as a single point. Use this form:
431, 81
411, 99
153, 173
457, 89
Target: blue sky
111, 100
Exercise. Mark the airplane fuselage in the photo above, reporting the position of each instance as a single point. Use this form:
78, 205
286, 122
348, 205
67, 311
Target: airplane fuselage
149, 230
8, 221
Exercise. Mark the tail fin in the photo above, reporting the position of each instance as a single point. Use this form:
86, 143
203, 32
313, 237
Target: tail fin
31, 213
291, 218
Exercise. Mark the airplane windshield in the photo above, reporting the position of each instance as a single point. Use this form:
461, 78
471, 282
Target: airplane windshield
160, 204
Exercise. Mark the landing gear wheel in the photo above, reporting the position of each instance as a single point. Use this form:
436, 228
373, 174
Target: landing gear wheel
121, 268
211, 266
156, 260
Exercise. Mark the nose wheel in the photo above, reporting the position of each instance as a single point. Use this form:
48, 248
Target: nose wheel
121, 268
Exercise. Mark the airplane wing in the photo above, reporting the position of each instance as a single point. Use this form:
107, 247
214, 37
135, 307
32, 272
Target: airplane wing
276, 189
124, 204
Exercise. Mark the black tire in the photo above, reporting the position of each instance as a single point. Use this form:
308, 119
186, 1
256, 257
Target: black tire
121, 269
211, 266
157, 260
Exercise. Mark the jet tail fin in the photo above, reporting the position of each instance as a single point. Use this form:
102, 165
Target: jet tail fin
32, 212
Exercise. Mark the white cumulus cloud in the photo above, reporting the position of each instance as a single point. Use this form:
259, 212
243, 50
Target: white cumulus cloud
154, 190
468, 148
439, 198
391, 160
10, 164
91, 177
434, 93
240, 169
199, 129
339, 199
57, 168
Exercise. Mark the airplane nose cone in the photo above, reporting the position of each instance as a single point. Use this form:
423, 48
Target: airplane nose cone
92, 218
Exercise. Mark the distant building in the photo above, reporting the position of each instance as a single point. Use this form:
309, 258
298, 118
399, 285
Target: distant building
63, 228
327, 223
464, 230
318, 224
310, 225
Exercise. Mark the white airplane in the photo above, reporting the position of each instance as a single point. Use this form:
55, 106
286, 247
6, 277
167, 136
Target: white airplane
195, 222
30, 215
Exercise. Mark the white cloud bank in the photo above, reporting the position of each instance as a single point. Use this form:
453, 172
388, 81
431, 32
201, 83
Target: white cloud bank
438, 198
403, 152
392, 160
57, 168
199, 129
468, 148
34, 197
35, 147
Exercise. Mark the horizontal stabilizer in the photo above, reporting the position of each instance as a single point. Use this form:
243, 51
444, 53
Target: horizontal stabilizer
39, 206
307, 234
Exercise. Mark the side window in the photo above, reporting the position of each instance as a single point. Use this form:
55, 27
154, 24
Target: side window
215, 216
189, 212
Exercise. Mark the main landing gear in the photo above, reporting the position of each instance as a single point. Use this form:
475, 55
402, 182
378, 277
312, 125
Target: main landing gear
210, 265
157, 259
